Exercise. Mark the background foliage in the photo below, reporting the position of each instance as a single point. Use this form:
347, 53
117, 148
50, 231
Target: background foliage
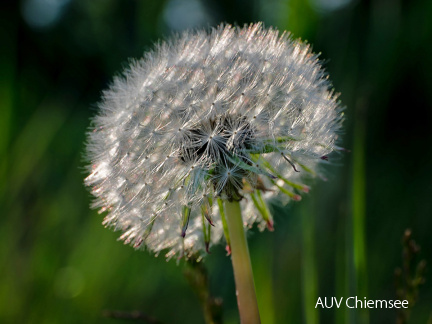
59, 265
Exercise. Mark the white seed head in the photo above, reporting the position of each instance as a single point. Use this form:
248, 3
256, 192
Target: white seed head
204, 116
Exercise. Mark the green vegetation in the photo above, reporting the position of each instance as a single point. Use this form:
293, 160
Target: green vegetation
60, 265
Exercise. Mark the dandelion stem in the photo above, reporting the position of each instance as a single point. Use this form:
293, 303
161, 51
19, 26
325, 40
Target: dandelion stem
245, 289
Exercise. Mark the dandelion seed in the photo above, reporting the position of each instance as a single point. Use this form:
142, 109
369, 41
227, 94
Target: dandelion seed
230, 114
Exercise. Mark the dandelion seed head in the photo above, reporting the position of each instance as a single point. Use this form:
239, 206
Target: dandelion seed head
224, 114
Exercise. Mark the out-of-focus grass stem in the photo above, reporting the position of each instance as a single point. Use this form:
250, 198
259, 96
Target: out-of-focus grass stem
359, 212
309, 271
7, 82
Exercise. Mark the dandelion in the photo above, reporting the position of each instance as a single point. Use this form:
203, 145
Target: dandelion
203, 125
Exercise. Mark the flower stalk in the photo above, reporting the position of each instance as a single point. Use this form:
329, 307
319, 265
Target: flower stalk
245, 288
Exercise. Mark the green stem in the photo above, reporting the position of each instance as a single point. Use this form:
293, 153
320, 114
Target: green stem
359, 212
245, 289
309, 266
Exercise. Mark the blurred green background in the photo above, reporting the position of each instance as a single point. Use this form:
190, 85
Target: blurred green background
59, 265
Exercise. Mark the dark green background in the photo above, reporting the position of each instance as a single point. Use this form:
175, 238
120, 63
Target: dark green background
59, 265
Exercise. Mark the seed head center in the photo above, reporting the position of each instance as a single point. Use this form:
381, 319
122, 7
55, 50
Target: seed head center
219, 147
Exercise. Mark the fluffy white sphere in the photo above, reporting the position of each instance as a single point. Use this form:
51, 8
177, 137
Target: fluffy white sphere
225, 115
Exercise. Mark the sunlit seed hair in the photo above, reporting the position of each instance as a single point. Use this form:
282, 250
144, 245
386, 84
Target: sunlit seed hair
237, 114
